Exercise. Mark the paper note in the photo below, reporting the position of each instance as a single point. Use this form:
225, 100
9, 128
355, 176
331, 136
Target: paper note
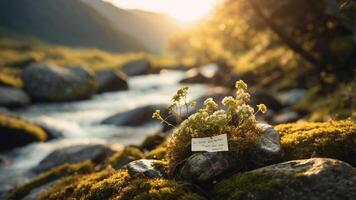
210, 144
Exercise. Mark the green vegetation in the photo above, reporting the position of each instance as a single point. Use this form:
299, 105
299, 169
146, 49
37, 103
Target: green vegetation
118, 184
159, 153
51, 175
238, 122
240, 185
333, 139
15, 132
121, 158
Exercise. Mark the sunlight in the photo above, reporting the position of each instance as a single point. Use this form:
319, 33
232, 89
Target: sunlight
184, 10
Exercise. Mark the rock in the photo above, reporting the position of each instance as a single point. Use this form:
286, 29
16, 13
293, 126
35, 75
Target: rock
13, 98
317, 178
111, 80
144, 167
208, 74
16, 132
286, 116
269, 148
136, 67
136, 117
44, 82
292, 97
74, 154
205, 166
268, 98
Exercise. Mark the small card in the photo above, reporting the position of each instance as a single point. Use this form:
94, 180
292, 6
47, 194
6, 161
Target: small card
210, 144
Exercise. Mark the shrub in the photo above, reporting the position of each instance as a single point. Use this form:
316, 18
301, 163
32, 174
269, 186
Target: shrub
237, 121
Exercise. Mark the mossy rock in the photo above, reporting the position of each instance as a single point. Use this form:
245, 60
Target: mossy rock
8, 80
15, 132
51, 175
119, 185
333, 139
123, 157
317, 178
152, 141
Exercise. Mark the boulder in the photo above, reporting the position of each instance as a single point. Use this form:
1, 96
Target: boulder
136, 117
144, 167
136, 67
16, 132
13, 98
44, 82
74, 154
111, 80
316, 178
205, 166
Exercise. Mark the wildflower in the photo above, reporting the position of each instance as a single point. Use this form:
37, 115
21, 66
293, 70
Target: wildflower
210, 105
156, 115
241, 85
262, 108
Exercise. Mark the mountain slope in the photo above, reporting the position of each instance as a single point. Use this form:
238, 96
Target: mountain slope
151, 29
65, 22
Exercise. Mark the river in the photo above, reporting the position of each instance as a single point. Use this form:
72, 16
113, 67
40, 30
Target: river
79, 122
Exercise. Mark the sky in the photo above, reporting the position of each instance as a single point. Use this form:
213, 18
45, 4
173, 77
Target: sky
184, 10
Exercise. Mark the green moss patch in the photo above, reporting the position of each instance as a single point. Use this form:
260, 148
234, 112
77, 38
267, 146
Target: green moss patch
159, 153
15, 132
119, 185
333, 139
240, 185
51, 175
123, 157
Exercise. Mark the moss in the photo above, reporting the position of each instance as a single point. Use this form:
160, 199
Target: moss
118, 184
11, 81
51, 175
240, 185
152, 141
125, 156
159, 153
333, 139
16, 132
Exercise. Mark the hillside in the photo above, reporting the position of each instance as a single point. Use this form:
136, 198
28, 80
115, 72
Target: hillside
65, 22
151, 29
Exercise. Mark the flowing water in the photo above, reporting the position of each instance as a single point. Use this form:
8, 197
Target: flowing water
79, 122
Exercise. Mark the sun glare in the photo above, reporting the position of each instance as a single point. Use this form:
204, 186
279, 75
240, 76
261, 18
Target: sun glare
184, 10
